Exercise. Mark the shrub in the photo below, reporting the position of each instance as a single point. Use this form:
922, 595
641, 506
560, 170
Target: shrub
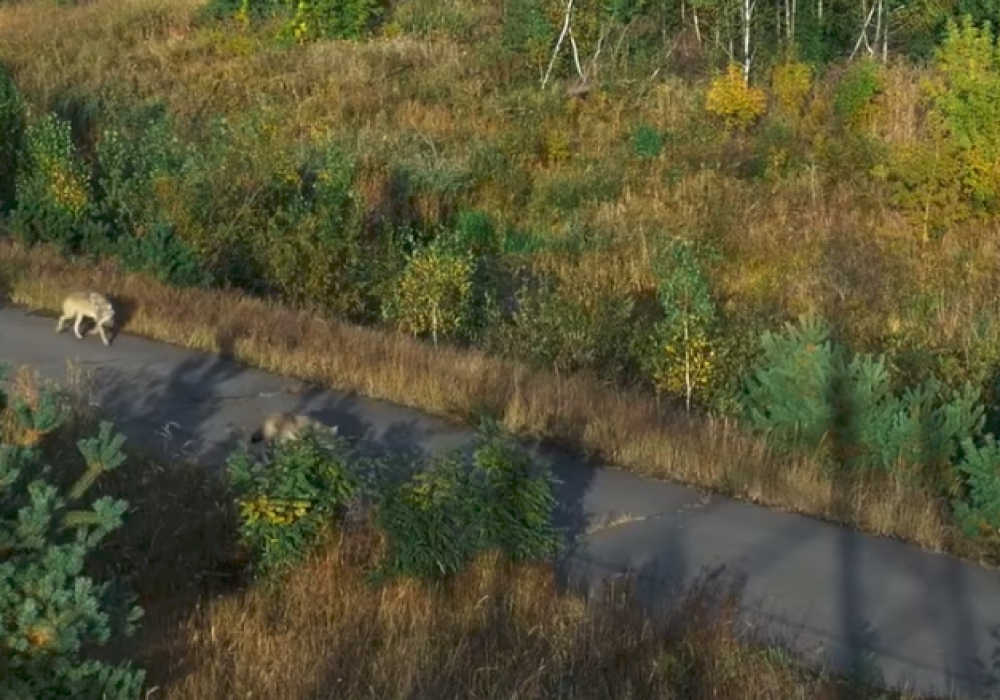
331, 19
681, 358
50, 613
854, 95
569, 326
805, 391
433, 294
953, 172
776, 151
791, 82
979, 513
129, 164
286, 504
13, 121
526, 35
311, 253
475, 234
226, 222
732, 100
53, 191
160, 253
461, 505
647, 142
304, 21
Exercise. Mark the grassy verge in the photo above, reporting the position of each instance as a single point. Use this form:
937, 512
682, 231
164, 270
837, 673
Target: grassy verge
626, 429
496, 631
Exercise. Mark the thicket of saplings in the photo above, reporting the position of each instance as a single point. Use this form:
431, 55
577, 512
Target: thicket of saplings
521, 232
399, 576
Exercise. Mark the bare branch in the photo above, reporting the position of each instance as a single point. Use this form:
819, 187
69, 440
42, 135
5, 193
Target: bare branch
576, 55
864, 33
562, 35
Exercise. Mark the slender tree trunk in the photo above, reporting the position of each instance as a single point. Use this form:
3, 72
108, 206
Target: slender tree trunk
792, 17
778, 21
748, 8
885, 33
687, 366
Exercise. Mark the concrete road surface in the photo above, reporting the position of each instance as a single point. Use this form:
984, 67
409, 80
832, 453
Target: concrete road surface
918, 620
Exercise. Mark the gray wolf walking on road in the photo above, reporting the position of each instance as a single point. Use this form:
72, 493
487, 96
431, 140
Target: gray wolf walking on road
81, 305
281, 427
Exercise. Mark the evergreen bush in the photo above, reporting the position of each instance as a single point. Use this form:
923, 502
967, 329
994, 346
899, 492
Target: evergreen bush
807, 392
462, 504
51, 614
978, 513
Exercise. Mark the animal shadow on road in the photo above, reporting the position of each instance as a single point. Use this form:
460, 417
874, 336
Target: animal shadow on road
125, 308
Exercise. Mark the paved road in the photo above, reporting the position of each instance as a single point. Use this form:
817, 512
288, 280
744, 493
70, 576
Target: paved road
920, 620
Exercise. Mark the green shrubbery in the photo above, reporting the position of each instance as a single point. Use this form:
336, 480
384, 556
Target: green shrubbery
54, 198
458, 506
51, 614
286, 504
436, 513
809, 393
955, 173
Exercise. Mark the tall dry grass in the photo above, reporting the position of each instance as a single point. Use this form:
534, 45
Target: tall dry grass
626, 429
495, 632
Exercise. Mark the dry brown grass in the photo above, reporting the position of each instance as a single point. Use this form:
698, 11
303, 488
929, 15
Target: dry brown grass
495, 632
627, 429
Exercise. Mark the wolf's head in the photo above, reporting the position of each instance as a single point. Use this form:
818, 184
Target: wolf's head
103, 308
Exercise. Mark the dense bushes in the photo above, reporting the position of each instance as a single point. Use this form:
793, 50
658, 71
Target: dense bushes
52, 615
459, 506
436, 513
810, 393
286, 504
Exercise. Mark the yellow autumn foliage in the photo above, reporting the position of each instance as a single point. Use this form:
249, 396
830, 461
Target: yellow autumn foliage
433, 293
790, 85
680, 360
275, 511
732, 100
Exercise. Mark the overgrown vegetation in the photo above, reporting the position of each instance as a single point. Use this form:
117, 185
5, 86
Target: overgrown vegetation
319, 623
619, 222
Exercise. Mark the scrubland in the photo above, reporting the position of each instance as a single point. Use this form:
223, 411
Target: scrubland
408, 213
